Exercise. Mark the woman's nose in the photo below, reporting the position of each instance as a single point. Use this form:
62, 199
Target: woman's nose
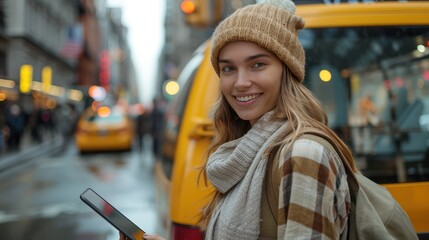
243, 79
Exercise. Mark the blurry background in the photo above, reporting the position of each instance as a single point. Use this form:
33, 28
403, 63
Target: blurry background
89, 99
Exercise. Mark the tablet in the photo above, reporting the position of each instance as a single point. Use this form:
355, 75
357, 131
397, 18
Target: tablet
112, 215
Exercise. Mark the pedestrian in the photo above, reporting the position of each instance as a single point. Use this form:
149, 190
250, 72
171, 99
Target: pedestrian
259, 120
66, 116
157, 119
143, 126
3, 130
15, 121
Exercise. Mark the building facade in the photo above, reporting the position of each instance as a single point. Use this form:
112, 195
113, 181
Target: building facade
34, 33
70, 38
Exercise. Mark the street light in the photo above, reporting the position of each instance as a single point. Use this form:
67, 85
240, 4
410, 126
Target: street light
46, 78
26, 78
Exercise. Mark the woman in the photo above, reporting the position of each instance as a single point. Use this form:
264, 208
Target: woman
260, 120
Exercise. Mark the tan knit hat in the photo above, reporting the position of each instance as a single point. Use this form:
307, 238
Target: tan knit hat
272, 25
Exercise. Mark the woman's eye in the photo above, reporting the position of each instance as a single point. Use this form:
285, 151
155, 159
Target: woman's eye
227, 69
258, 65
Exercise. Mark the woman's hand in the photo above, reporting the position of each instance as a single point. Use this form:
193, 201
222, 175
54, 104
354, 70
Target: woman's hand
122, 236
146, 236
153, 237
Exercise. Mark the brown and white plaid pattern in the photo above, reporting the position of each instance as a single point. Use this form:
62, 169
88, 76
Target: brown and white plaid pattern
314, 199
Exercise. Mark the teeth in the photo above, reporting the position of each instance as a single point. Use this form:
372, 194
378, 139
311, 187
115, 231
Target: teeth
247, 98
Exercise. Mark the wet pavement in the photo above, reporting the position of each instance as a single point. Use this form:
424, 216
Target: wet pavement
30, 150
40, 197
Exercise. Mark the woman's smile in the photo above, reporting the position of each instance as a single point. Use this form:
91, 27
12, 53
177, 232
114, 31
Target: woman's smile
247, 98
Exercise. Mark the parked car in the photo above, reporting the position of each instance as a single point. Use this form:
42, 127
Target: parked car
360, 50
104, 129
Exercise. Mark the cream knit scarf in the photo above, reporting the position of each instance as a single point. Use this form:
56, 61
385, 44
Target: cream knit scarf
237, 169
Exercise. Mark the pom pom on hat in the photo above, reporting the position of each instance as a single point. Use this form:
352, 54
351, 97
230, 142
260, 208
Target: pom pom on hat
272, 24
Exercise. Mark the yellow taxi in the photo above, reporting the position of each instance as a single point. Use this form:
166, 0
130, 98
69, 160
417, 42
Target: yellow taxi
380, 48
104, 129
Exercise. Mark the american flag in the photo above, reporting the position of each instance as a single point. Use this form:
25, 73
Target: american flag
71, 49
73, 44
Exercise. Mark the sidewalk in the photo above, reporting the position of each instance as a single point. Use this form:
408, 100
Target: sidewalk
30, 150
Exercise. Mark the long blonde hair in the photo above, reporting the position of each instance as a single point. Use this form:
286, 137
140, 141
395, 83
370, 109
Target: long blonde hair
296, 104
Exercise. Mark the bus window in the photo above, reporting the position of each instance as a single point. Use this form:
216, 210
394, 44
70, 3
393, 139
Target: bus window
374, 85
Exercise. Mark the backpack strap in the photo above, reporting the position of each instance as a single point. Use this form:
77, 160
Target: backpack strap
272, 188
269, 202
328, 143
273, 182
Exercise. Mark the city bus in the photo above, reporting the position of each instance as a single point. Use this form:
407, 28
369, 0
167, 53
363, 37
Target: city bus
367, 62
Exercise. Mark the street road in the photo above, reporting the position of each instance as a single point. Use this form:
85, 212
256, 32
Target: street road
40, 199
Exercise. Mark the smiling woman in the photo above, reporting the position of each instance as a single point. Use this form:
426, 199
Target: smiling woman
250, 76
353, 44
260, 121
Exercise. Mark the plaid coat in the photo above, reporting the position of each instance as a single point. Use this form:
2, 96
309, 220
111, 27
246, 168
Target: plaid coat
314, 199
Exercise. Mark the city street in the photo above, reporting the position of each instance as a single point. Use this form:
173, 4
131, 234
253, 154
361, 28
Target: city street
40, 198
177, 113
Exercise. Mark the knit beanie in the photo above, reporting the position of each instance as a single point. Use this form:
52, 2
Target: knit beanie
271, 24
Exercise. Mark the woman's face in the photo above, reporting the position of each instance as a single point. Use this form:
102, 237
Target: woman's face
250, 79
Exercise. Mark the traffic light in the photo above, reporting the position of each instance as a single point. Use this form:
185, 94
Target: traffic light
26, 78
187, 6
202, 13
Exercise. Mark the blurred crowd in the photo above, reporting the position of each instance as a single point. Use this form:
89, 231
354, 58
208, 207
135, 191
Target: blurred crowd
21, 125
35, 125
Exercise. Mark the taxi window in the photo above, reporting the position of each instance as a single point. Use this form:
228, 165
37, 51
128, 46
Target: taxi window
113, 118
374, 85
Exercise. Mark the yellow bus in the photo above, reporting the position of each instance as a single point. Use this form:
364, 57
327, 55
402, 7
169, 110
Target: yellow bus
368, 63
